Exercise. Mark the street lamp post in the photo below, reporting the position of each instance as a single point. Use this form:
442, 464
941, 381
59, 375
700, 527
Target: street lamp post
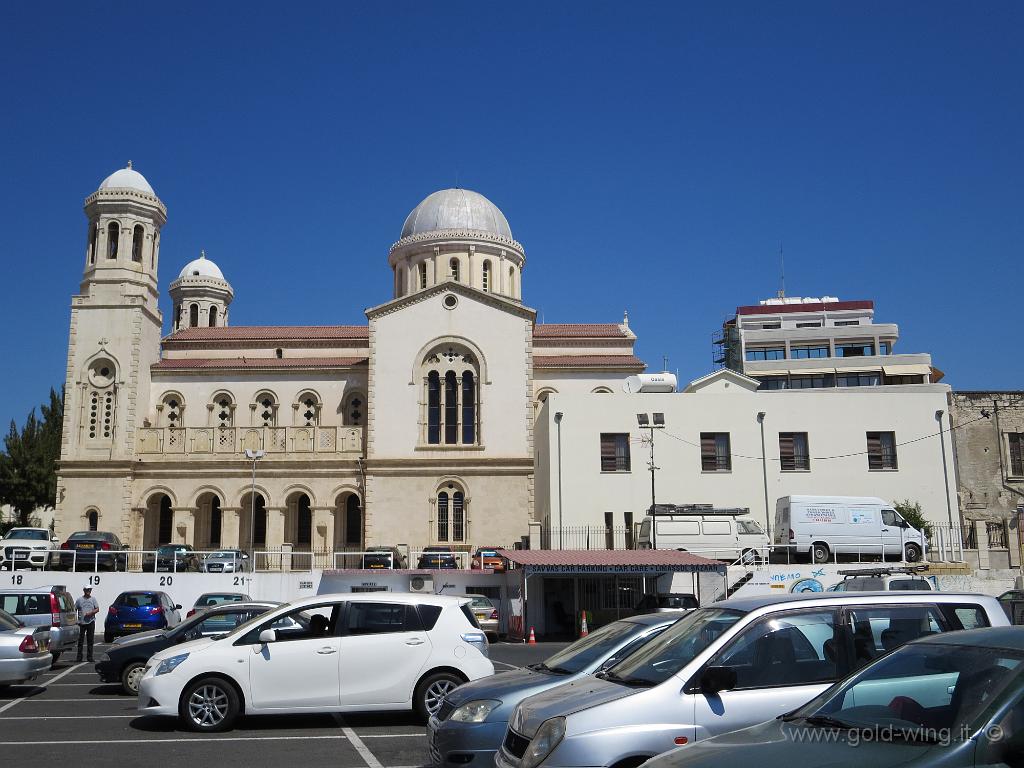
764, 477
651, 423
558, 424
253, 456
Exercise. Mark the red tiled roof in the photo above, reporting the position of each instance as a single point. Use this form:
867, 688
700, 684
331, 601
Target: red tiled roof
577, 331
785, 309
588, 361
272, 333
255, 363
604, 557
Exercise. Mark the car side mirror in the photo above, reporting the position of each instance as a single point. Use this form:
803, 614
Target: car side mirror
245, 556
715, 679
268, 636
177, 607
55, 540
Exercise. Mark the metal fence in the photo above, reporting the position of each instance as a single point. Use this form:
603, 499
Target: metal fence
589, 537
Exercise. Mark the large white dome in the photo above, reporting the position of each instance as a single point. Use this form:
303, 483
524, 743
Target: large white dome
201, 267
127, 178
460, 209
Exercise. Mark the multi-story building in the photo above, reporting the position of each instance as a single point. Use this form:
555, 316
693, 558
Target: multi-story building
817, 343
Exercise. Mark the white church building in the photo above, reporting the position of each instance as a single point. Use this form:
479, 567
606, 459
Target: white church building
415, 428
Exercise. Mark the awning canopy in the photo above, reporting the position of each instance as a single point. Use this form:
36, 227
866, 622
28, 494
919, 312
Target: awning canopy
818, 371
635, 561
907, 370
857, 369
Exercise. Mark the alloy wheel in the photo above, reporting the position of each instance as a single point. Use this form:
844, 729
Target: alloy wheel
208, 706
437, 691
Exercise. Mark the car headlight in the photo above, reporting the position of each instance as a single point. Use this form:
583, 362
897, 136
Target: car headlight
169, 665
548, 736
474, 711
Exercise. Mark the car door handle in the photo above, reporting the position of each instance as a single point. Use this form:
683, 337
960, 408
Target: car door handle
326, 651
414, 641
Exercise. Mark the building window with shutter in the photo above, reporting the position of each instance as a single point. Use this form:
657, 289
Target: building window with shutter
614, 452
715, 455
881, 450
793, 454
1016, 440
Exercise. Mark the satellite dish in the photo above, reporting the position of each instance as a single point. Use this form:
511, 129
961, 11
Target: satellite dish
632, 385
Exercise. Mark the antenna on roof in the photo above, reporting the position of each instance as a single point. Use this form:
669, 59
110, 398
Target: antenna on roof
664, 363
782, 270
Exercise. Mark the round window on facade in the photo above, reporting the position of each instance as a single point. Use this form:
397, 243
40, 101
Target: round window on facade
101, 372
451, 301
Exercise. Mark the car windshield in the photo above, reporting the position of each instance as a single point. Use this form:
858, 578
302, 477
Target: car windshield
26, 534
658, 660
224, 556
86, 536
592, 648
748, 526
923, 692
137, 599
212, 599
481, 602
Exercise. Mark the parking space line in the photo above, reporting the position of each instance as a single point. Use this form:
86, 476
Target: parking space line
37, 700
392, 735
196, 740
15, 703
363, 750
71, 717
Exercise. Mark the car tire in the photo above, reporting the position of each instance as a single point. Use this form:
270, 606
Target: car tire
130, 677
209, 705
430, 691
820, 553
53, 661
912, 553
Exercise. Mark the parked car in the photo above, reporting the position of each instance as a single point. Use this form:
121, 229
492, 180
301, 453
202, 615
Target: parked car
26, 548
437, 557
821, 527
488, 557
210, 599
225, 561
172, 558
486, 614
722, 668
51, 607
24, 651
721, 533
125, 660
470, 724
138, 611
667, 601
383, 557
883, 580
372, 651
90, 551
961, 707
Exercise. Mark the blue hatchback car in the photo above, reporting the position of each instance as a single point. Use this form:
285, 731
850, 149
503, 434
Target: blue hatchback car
138, 611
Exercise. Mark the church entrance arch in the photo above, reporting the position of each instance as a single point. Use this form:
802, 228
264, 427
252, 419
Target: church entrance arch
252, 523
158, 525
209, 522
298, 525
348, 523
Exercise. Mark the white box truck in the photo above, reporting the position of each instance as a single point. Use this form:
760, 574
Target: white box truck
821, 527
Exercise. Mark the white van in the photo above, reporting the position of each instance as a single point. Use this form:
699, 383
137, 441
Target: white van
719, 535
824, 526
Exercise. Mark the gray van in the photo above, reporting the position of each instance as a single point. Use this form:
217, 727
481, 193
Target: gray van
51, 607
724, 667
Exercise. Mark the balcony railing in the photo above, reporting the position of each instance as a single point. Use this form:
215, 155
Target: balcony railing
199, 441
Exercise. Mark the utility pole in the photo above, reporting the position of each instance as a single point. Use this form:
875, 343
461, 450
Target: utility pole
651, 423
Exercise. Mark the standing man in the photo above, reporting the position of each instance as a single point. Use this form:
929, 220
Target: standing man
87, 608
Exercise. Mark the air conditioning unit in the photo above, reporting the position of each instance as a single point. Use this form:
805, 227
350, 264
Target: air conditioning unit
421, 584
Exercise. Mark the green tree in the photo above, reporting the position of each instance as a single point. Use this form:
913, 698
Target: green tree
28, 463
911, 512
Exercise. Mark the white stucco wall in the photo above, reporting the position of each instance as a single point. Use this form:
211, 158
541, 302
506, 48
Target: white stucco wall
836, 422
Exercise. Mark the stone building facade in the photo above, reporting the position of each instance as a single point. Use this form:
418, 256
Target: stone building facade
415, 428
988, 437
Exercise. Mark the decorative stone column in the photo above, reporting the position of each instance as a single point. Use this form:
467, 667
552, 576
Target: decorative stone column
323, 537
183, 528
230, 528
137, 528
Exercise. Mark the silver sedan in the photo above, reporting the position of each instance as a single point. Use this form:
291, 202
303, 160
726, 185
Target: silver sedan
24, 651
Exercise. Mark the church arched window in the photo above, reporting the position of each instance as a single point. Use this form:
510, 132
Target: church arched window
423, 275
308, 409
138, 237
266, 409
451, 397
354, 410
451, 522
177, 316
486, 279
453, 265
512, 282
172, 405
223, 410
193, 316
93, 519
93, 236
113, 238
213, 317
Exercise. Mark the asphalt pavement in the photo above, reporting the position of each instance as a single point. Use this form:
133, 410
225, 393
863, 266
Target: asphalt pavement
69, 716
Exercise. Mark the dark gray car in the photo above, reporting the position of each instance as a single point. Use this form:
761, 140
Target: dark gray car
472, 720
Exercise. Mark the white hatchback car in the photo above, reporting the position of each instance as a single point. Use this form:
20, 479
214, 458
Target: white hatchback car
329, 653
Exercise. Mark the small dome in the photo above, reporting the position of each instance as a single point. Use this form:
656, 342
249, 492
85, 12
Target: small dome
456, 209
127, 178
201, 267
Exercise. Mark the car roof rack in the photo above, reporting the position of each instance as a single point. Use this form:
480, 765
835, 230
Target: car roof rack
911, 570
697, 509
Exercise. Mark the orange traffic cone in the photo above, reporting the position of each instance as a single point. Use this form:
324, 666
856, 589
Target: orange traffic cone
533, 638
583, 625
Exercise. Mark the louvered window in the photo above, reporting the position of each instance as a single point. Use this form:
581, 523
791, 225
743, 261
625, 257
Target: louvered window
1016, 454
881, 450
614, 452
793, 455
715, 455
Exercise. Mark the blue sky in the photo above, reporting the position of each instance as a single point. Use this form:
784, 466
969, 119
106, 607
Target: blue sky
649, 156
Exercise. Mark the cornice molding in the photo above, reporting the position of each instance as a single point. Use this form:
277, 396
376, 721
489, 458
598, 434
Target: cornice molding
490, 299
459, 235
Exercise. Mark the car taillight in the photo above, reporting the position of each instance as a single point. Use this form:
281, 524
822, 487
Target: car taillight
54, 611
29, 645
190, 613
105, 545
157, 609
494, 614
65, 545
112, 610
